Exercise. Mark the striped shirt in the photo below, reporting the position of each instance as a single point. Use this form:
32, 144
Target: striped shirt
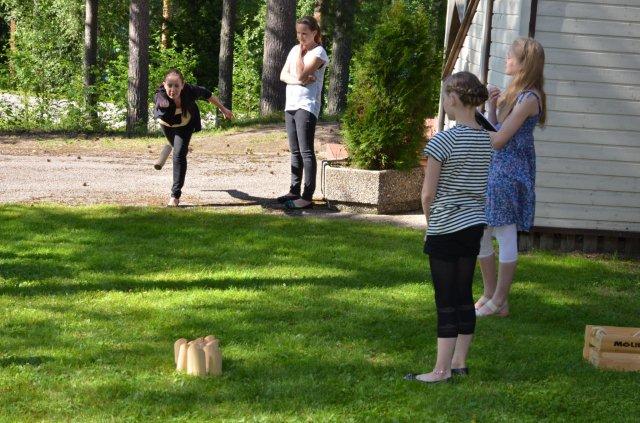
465, 154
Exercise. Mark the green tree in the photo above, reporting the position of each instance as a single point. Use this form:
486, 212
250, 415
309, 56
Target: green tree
396, 81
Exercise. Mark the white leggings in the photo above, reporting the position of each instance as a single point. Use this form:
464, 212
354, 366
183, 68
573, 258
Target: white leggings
507, 237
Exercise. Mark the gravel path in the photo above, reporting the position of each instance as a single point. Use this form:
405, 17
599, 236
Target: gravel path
247, 167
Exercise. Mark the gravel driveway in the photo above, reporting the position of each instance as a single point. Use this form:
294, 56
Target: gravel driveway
235, 168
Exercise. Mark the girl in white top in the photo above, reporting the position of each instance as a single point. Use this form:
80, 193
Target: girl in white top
303, 73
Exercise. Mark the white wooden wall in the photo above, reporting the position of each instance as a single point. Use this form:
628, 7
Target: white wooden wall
588, 156
470, 58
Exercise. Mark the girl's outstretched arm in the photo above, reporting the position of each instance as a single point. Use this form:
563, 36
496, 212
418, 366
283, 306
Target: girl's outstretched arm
513, 122
216, 102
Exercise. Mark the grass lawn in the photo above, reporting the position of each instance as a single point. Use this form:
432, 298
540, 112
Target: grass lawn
318, 321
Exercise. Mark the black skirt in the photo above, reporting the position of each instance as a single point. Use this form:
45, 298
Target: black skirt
463, 243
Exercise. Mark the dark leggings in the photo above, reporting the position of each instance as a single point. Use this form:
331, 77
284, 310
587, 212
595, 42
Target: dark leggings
179, 139
452, 280
301, 129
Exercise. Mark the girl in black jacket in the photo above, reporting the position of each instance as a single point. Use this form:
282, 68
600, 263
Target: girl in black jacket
179, 117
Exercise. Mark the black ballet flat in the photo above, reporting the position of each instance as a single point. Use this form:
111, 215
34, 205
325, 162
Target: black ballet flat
290, 205
287, 197
413, 376
463, 371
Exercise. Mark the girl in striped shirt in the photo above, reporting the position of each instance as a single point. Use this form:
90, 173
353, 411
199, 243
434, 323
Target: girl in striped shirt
453, 200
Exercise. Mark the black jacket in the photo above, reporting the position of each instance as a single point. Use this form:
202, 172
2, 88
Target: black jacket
165, 108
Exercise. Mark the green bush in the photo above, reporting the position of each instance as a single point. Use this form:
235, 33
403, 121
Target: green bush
247, 67
396, 82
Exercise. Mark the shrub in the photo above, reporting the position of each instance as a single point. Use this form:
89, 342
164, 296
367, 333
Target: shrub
396, 83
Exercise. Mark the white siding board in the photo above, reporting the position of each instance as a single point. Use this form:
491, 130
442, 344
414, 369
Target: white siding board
587, 212
598, 225
589, 58
594, 105
505, 21
471, 56
581, 3
504, 7
474, 44
623, 184
589, 43
560, 149
588, 197
591, 121
503, 36
590, 74
588, 167
605, 11
587, 27
593, 90
588, 136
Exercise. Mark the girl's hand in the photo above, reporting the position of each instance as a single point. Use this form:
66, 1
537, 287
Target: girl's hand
494, 93
309, 80
227, 113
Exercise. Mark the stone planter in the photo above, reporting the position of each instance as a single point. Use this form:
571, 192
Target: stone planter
371, 191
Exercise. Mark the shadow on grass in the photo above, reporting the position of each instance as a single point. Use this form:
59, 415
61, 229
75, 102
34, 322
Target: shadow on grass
23, 360
314, 315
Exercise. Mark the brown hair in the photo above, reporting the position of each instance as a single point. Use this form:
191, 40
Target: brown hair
173, 71
468, 88
313, 25
530, 54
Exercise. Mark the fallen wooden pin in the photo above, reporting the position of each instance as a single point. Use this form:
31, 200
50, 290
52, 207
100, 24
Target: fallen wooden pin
200, 357
612, 348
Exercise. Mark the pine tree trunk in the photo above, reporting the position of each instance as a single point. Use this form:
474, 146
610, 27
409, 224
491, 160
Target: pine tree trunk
341, 52
225, 58
91, 58
12, 35
318, 11
12, 47
279, 38
138, 91
166, 18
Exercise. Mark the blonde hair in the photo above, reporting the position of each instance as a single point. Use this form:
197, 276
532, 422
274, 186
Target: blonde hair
530, 54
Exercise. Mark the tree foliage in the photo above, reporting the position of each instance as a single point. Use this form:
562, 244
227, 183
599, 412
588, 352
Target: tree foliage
47, 63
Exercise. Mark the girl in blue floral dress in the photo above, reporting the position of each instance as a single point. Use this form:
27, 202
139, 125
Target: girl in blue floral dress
511, 196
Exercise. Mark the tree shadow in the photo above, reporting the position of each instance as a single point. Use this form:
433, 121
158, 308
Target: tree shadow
329, 308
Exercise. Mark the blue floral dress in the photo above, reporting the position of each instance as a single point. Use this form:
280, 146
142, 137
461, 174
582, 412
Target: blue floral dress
511, 196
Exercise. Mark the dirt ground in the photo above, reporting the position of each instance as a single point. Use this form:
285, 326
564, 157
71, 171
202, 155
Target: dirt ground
237, 167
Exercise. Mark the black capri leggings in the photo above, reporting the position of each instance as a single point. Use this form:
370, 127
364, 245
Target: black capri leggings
452, 280
179, 139
452, 259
